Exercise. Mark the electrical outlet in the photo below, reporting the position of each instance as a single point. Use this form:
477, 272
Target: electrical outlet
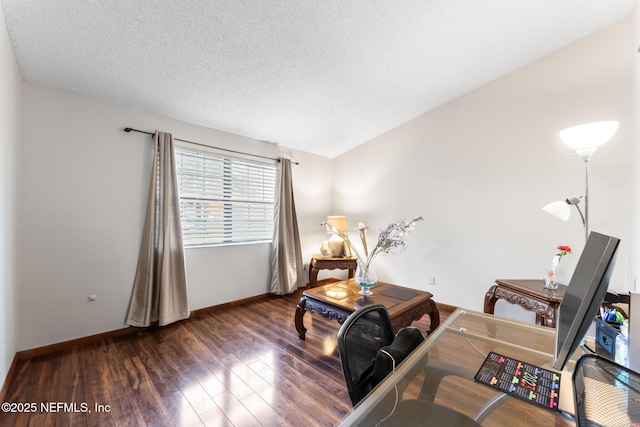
91, 298
432, 280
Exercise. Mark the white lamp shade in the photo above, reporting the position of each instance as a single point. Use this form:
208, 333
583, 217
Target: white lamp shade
588, 135
338, 221
559, 209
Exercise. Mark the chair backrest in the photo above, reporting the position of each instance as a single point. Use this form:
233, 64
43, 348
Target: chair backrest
361, 336
605, 393
391, 356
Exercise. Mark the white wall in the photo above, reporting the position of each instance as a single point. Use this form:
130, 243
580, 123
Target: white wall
480, 168
82, 187
634, 194
9, 137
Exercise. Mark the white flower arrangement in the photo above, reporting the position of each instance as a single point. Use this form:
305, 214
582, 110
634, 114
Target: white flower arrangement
390, 238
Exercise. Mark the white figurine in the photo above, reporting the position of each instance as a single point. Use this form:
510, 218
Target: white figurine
324, 249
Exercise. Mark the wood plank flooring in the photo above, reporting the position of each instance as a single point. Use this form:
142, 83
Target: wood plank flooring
236, 366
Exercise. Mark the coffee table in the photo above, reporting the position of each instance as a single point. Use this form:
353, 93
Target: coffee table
336, 301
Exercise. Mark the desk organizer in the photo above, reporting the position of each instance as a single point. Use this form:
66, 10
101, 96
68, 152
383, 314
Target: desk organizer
606, 334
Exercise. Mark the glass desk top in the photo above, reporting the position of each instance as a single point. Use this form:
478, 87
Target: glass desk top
442, 370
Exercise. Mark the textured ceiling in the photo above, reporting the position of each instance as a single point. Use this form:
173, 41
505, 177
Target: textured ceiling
318, 76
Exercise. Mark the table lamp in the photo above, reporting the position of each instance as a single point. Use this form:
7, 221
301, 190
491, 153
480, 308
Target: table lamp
335, 242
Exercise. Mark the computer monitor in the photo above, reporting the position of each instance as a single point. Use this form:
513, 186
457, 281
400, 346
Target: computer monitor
584, 295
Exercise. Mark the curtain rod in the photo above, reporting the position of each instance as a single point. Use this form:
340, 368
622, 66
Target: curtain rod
208, 146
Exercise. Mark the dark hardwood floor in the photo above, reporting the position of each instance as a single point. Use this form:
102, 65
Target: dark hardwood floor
236, 366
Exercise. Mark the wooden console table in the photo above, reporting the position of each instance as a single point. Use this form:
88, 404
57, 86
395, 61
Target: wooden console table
336, 301
530, 295
318, 263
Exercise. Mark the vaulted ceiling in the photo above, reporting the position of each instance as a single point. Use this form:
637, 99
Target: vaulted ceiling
318, 76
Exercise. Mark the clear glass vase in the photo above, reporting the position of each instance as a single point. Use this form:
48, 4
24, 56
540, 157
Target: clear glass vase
550, 281
366, 278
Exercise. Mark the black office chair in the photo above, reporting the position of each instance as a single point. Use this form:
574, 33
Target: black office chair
361, 336
605, 393
369, 352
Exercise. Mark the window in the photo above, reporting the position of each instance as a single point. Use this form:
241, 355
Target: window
224, 199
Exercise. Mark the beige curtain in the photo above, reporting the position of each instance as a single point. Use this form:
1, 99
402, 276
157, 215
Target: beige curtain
287, 269
160, 285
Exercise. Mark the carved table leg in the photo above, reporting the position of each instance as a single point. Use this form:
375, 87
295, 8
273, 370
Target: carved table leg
300, 310
550, 316
313, 276
490, 300
490, 306
434, 316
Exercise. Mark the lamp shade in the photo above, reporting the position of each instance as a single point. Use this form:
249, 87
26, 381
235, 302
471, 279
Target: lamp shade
588, 135
338, 221
559, 209
335, 243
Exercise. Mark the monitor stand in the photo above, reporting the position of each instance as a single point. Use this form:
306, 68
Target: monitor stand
566, 403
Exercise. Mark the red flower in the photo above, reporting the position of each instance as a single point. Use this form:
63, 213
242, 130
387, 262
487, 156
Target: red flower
563, 250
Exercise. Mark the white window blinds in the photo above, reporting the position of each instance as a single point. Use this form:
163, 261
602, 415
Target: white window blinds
224, 199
